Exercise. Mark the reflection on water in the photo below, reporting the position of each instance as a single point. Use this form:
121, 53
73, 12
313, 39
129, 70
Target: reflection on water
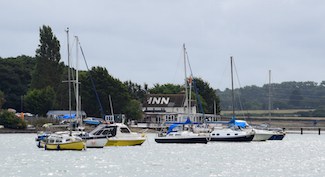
296, 155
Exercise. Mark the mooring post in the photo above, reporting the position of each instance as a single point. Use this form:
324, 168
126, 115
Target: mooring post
301, 131
319, 131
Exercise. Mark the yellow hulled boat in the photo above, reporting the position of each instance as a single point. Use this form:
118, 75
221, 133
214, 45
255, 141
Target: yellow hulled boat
124, 136
64, 142
119, 134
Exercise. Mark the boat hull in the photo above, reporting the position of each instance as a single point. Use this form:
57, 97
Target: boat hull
124, 142
245, 138
66, 146
40, 144
182, 140
277, 137
261, 137
96, 142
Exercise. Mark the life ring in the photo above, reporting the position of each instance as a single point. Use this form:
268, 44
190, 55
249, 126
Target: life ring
208, 138
58, 147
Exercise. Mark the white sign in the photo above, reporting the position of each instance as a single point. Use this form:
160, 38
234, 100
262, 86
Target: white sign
158, 100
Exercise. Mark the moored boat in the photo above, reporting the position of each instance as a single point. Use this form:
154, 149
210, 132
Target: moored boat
64, 142
41, 138
182, 133
262, 135
232, 134
278, 134
184, 137
119, 135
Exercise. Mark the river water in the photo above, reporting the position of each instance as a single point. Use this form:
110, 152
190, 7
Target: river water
296, 155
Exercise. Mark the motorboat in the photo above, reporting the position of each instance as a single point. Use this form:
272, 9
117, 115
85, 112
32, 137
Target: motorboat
93, 139
262, 135
119, 135
278, 134
63, 141
91, 121
231, 134
98, 137
186, 137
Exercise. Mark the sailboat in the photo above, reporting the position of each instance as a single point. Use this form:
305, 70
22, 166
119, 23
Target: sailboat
236, 130
277, 133
58, 140
182, 132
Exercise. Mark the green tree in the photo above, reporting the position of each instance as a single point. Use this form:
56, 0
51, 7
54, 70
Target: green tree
48, 69
39, 101
295, 99
9, 120
209, 95
133, 110
105, 85
166, 89
2, 99
15, 78
135, 90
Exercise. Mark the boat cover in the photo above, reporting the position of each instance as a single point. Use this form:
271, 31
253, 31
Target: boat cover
170, 129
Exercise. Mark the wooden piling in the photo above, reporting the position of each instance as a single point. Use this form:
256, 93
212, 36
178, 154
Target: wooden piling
301, 131
318, 131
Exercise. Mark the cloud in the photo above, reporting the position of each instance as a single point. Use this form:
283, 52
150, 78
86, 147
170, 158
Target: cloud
142, 40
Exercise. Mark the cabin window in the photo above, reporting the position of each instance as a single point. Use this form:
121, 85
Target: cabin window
51, 140
236, 133
68, 140
218, 134
228, 134
98, 132
105, 132
213, 134
124, 130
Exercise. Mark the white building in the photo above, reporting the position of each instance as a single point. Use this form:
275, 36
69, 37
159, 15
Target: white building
162, 109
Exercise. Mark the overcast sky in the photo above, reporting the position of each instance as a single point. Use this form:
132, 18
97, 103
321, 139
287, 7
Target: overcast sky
141, 40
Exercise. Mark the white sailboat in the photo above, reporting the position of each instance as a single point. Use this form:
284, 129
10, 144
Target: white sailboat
276, 133
235, 131
182, 135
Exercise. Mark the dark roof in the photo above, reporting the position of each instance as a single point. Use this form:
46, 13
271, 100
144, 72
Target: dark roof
164, 100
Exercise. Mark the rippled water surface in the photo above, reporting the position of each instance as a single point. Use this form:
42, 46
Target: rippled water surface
296, 155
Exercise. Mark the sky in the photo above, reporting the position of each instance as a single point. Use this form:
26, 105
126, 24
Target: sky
141, 40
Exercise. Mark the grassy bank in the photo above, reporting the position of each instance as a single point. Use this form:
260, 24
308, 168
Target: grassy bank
279, 112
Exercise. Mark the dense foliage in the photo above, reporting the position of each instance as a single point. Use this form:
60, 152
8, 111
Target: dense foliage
286, 95
9, 120
15, 79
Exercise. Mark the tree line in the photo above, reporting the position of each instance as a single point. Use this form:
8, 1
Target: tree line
285, 95
35, 84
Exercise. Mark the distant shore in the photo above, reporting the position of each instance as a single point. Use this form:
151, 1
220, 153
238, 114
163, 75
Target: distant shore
290, 124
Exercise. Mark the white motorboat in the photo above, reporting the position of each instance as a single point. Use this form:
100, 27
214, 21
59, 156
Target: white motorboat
232, 134
262, 135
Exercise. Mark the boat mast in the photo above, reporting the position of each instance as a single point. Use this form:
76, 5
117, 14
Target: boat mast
110, 102
186, 91
77, 80
69, 79
232, 88
270, 96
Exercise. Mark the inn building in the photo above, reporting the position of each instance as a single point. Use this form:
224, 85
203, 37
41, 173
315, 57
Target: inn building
163, 109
